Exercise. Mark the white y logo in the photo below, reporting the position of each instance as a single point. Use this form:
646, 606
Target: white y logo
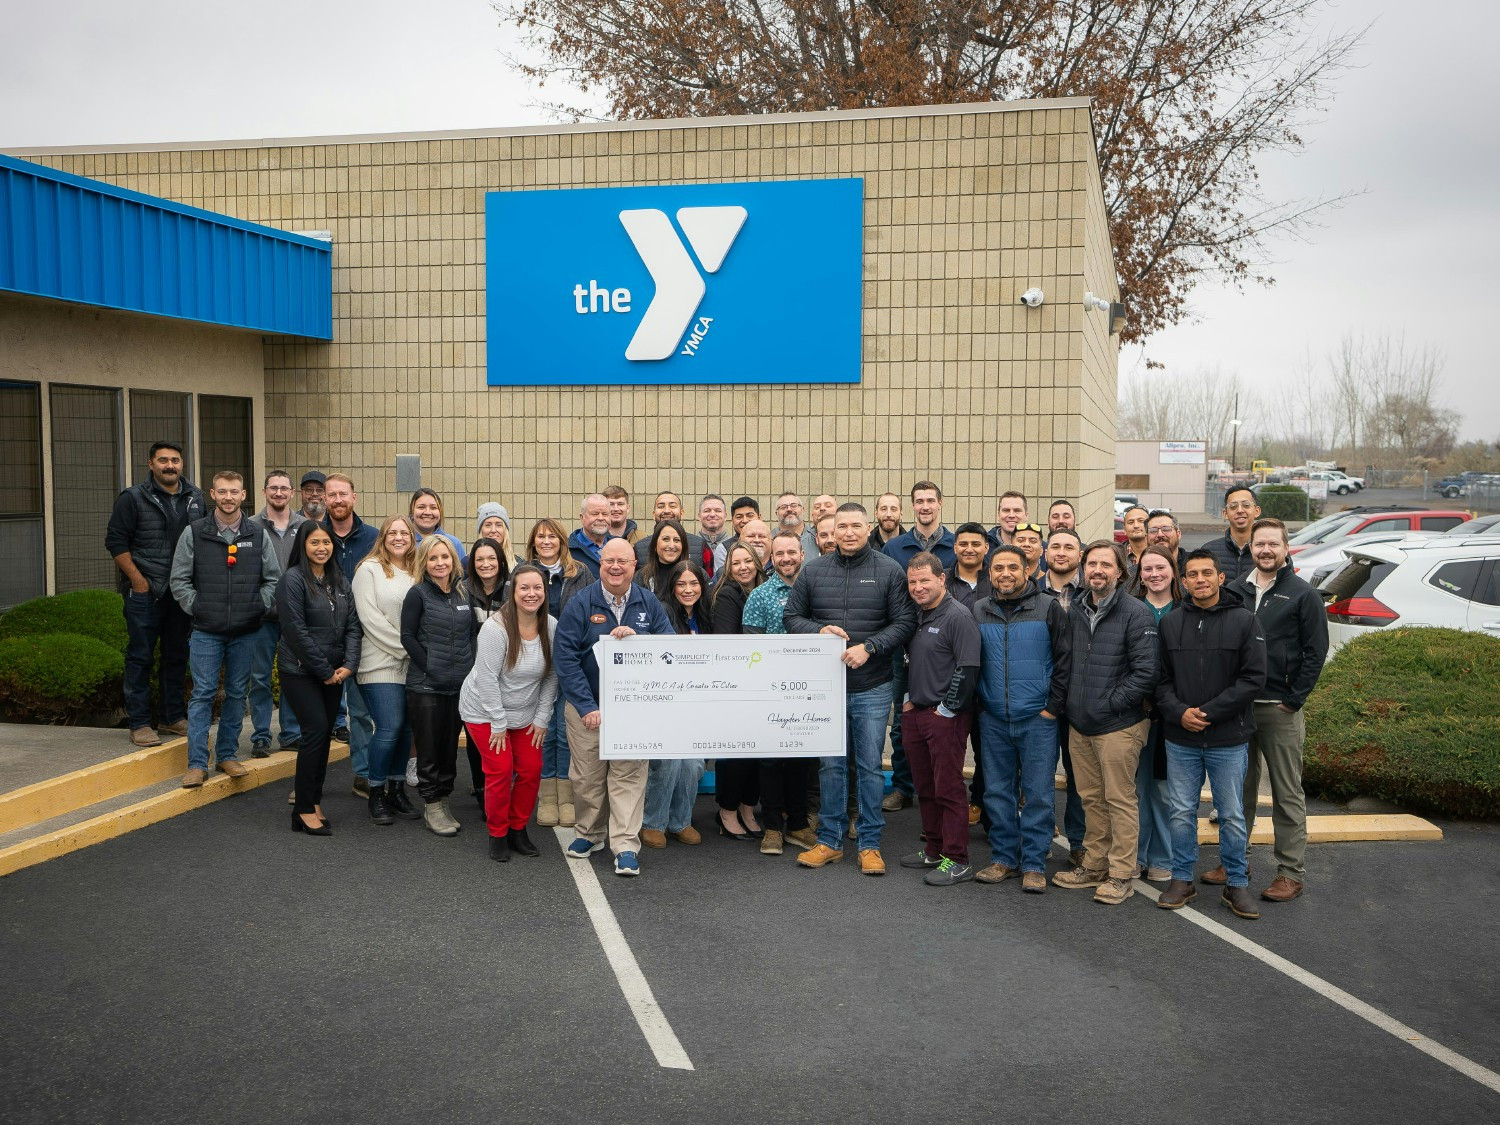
711, 231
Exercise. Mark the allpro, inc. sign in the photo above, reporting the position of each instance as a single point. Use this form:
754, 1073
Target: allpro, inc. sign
708, 283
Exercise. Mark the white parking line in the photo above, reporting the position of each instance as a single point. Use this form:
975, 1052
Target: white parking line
653, 1023
1394, 1027
1412, 1038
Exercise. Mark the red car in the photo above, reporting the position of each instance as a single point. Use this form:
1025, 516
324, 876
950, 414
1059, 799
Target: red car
1356, 520
1120, 536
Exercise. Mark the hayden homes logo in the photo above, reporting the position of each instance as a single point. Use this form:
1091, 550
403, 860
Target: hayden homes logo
711, 283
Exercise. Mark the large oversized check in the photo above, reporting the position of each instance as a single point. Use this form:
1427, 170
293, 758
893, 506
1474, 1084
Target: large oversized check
751, 696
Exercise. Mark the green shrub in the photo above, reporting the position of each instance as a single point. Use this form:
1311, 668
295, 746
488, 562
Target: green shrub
89, 613
1410, 716
1287, 502
58, 677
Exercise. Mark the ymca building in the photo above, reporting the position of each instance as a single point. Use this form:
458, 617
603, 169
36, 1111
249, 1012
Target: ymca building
825, 302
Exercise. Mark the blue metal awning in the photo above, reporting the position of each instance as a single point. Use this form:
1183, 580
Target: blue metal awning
76, 239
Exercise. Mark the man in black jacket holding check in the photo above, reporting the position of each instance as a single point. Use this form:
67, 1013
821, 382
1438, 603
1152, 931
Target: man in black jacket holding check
1213, 666
859, 594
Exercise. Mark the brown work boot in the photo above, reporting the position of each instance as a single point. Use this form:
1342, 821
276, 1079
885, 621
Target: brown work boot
179, 728
145, 736
1215, 878
994, 873
1075, 857
803, 838
1033, 883
1238, 900
820, 856
771, 842
871, 862
1178, 894
193, 778
1112, 891
975, 812
1078, 879
232, 768
688, 835
1283, 888
653, 837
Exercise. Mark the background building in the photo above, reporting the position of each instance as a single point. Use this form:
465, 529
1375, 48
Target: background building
964, 208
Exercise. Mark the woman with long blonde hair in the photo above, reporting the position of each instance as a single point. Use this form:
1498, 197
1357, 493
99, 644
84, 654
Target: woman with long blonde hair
381, 583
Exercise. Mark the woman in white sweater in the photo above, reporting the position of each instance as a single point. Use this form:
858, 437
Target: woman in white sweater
380, 585
506, 704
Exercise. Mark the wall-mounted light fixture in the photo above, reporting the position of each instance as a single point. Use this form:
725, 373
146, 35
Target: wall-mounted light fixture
1115, 309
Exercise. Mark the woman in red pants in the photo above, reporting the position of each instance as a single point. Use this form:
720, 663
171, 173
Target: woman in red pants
506, 704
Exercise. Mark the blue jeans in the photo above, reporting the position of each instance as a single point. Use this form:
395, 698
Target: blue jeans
390, 744
1155, 848
671, 789
361, 727
555, 753
149, 619
207, 653
260, 692
1024, 750
1225, 768
869, 712
902, 780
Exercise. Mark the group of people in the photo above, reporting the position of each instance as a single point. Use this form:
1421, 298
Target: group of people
1146, 668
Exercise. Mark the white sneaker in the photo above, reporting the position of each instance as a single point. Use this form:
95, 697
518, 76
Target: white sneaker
411, 771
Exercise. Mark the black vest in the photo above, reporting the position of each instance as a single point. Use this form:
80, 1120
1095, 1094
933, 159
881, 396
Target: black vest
158, 526
228, 596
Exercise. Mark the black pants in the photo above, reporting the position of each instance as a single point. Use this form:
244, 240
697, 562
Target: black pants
316, 706
783, 793
148, 619
434, 731
736, 782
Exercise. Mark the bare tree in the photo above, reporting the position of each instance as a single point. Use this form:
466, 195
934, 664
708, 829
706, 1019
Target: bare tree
1188, 94
1158, 405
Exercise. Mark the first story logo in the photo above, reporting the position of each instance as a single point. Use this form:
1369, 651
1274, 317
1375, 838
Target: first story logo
710, 231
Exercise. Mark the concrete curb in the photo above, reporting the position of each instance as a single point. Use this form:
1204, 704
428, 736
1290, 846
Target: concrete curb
50, 845
32, 804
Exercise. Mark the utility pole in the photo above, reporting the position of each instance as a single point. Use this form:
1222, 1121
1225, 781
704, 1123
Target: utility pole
1234, 445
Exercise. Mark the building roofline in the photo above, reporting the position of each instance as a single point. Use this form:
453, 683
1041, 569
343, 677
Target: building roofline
1025, 105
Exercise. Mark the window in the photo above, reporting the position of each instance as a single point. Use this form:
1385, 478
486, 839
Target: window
1490, 593
23, 549
224, 424
86, 478
1440, 523
1401, 523
157, 416
1461, 579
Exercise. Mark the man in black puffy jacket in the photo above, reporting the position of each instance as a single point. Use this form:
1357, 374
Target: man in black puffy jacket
1112, 638
857, 593
1213, 660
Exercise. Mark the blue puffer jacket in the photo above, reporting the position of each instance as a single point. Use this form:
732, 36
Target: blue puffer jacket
1025, 657
585, 619
1115, 663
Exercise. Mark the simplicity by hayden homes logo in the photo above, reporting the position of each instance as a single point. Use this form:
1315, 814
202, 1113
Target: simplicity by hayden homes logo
711, 283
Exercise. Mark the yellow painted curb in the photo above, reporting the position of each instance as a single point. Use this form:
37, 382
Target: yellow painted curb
1346, 829
164, 806
32, 804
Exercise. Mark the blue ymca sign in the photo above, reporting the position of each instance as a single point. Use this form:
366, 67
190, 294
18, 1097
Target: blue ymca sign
705, 283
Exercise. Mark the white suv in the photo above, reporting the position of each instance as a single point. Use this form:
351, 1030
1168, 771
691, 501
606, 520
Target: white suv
1448, 581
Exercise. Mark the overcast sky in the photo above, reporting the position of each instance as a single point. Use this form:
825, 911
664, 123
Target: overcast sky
1412, 129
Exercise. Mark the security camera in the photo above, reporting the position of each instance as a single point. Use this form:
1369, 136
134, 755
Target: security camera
1092, 302
1033, 298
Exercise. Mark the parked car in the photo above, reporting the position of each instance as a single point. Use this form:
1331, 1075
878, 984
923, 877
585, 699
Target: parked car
1124, 501
1322, 559
1445, 581
1344, 481
1120, 536
1451, 488
1479, 525
1353, 521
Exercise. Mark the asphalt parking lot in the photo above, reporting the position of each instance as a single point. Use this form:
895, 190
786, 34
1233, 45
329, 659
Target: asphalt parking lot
217, 967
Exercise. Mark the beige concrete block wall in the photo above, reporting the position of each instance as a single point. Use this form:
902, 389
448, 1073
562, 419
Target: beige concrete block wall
51, 342
965, 208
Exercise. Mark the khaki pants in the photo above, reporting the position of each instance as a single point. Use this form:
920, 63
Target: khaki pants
600, 789
1104, 773
1277, 742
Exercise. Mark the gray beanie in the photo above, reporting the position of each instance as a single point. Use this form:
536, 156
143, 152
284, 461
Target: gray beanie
492, 509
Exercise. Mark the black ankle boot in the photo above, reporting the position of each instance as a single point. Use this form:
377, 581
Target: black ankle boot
521, 844
380, 811
399, 803
499, 849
